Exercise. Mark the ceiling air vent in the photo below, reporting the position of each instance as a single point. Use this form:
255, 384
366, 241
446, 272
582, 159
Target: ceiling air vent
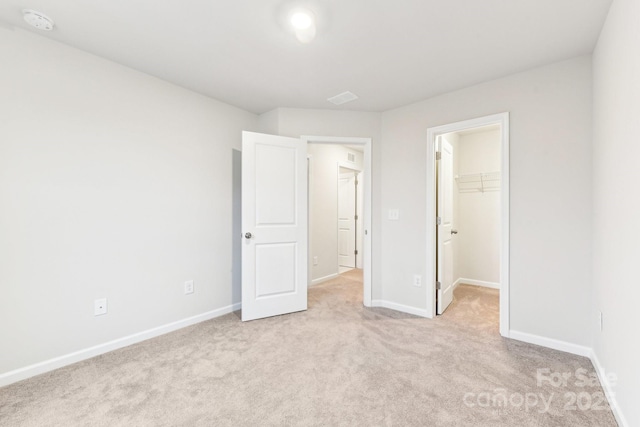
351, 157
343, 98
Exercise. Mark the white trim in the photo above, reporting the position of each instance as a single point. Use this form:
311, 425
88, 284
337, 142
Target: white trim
482, 283
608, 390
567, 347
323, 279
366, 212
399, 307
87, 353
501, 119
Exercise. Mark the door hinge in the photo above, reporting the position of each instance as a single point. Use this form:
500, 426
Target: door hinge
356, 182
438, 155
438, 285
355, 217
438, 220
355, 252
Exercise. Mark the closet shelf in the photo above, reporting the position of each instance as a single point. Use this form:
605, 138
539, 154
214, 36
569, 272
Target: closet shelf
478, 182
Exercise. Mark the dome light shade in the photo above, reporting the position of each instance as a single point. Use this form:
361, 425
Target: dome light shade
303, 24
301, 20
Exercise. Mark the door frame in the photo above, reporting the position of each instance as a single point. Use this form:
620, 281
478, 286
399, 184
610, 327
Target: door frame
366, 209
433, 133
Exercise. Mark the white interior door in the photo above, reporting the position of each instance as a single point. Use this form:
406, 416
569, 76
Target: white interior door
444, 227
346, 219
274, 225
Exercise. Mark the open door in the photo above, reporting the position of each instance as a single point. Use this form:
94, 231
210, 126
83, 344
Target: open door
444, 275
274, 225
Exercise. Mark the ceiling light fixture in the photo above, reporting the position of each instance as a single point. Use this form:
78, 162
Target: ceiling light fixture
37, 19
303, 23
301, 20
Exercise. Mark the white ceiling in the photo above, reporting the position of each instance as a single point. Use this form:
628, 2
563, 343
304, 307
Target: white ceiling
389, 53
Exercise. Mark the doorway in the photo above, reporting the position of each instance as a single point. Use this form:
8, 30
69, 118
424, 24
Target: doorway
346, 223
441, 222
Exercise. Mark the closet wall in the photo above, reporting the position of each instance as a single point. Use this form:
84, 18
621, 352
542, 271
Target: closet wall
478, 207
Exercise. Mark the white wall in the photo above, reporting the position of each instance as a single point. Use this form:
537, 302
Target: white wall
550, 134
616, 203
478, 224
295, 122
116, 184
112, 184
323, 206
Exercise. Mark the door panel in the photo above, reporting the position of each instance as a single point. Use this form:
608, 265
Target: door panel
445, 212
275, 184
346, 220
274, 225
275, 269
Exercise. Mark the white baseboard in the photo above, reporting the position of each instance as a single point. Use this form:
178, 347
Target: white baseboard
323, 279
492, 285
567, 347
87, 353
399, 307
608, 390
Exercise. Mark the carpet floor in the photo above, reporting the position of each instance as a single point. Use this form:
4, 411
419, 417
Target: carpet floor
336, 364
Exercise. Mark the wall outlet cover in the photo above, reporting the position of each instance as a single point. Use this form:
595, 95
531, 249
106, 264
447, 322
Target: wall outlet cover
100, 307
417, 280
188, 287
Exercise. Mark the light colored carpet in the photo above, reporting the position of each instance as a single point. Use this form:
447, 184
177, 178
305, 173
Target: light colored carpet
337, 364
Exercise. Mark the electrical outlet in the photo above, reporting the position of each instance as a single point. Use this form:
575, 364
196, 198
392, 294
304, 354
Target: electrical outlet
188, 287
100, 307
394, 214
315, 260
417, 280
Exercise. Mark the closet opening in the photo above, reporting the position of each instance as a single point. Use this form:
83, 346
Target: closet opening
468, 216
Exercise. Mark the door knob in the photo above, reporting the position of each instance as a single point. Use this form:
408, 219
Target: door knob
248, 235
454, 231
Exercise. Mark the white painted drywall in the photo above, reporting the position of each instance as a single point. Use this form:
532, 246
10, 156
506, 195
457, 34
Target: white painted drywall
550, 193
112, 184
269, 122
616, 204
478, 224
295, 122
323, 204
